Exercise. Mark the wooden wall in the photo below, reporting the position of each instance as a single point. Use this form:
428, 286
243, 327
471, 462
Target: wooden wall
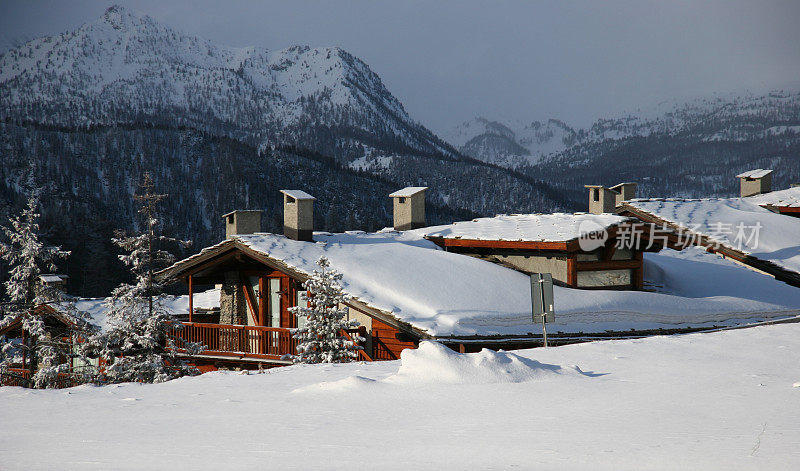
385, 345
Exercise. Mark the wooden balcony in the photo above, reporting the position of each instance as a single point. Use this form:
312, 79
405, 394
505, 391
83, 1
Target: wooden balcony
239, 341
246, 342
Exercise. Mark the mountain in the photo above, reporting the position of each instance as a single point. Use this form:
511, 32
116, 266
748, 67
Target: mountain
220, 128
511, 143
680, 149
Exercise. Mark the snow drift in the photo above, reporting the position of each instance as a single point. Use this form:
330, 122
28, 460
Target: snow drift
433, 363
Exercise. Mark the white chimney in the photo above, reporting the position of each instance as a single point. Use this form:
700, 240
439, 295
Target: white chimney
409, 208
298, 215
242, 222
755, 182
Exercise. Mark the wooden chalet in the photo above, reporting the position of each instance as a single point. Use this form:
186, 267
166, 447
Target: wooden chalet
786, 202
59, 328
579, 250
737, 229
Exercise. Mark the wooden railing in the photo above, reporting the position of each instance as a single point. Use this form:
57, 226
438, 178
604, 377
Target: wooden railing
244, 341
238, 340
21, 377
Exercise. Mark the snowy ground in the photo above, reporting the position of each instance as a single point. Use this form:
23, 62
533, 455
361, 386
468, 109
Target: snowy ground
725, 400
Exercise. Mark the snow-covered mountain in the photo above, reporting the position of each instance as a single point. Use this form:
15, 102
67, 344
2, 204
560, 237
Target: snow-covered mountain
720, 118
125, 68
511, 143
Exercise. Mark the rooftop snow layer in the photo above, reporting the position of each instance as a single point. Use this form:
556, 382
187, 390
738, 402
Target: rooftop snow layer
298, 194
96, 308
50, 278
757, 173
558, 227
408, 191
781, 198
448, 294
736, 223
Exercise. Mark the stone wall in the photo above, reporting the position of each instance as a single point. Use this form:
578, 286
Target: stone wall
232, 305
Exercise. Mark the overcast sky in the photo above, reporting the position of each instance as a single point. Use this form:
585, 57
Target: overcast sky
448, 61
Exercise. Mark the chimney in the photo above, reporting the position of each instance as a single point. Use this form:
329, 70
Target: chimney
409, 208
298, 215
242, 222
755, 182
601, 199
626, 191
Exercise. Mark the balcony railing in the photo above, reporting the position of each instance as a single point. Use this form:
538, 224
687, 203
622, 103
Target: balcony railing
244, 341
238, 341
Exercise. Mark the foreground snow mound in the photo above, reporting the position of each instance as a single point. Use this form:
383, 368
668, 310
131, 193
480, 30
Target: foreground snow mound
434, 363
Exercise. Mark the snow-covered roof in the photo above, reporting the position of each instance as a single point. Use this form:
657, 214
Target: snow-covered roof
447, 294
757, 173
53, 278
408, 192
780, 198
298, 194
242, 211
176, 305
557, 227
736, 223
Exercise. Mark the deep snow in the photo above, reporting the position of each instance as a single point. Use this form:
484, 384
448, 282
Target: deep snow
726, 400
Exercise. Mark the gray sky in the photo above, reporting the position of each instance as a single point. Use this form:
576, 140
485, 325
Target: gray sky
448, 61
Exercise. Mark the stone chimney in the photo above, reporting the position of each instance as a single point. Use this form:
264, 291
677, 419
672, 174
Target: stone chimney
409, 208
755, 182
242, 222
298, 215
625, 192
601, 199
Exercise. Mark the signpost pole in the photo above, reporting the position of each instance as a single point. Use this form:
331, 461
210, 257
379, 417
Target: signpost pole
544, 314
542, 301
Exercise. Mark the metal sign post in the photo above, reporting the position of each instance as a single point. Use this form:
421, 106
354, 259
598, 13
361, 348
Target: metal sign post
542, 301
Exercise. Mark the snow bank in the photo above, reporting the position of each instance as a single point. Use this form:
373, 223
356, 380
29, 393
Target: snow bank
724, 400
432, 362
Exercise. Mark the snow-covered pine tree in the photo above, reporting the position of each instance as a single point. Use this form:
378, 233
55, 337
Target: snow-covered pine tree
321, 339
136, 345
27, 256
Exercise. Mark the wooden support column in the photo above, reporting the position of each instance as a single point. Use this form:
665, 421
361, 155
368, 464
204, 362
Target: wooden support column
191, 299
24, 351
572, 271
262, 301
638, 273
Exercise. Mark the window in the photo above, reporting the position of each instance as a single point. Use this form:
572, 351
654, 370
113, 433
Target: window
302, 300
289, 200
230, 219
275, 302
597, 194
402, 199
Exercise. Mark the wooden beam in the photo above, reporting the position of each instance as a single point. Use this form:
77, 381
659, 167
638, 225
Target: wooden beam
249, 298
609, 250
261, 301
638, 273
500, 244
572, 271
191, 299
609, 265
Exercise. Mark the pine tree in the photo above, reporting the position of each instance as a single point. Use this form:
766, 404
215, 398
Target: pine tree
321, 339
136, 345
27, 255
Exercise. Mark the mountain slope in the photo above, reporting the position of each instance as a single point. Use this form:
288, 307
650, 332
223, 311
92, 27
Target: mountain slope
220, 128
125, 68
691, 149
